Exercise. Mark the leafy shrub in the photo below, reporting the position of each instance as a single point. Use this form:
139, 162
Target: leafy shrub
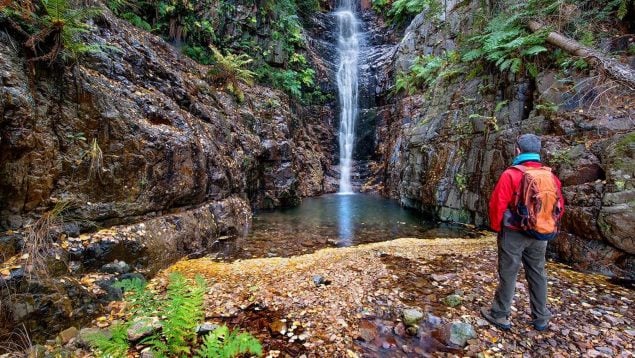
230, 69
197, 25
52, 28
511, 47
426, 71
401, 11
507, 44
298, 83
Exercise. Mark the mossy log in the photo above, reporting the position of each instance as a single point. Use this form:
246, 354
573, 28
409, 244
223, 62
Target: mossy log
617, 71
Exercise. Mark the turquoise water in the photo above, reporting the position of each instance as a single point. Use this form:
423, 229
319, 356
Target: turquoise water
332, 221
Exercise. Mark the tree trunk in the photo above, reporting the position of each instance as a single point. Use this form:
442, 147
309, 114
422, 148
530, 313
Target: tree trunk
616, 70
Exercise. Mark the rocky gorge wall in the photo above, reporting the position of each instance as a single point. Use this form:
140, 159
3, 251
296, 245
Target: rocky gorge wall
443, 149
137, 160
137, 131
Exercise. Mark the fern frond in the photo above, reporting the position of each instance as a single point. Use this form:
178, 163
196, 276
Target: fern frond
534, 50
515, 65
472, 55
141, 301
223, 343
115, 346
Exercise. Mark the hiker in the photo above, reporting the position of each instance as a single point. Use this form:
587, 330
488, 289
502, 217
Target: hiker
525, 209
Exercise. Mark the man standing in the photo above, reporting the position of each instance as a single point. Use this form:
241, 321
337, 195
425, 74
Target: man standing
524, 209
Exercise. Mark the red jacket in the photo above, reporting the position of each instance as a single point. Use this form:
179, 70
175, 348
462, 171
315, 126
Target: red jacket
503, 194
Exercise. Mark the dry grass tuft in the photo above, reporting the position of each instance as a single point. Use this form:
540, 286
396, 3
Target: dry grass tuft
37, 240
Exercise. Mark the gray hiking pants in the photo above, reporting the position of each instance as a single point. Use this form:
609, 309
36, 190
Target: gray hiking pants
514, 248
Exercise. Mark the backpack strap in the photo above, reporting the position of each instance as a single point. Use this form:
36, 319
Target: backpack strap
522, 168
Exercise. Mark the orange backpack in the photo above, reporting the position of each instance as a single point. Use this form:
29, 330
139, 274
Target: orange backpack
537, 205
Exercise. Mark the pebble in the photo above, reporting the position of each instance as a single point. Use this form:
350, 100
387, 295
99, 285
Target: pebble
453, 300
605, 350
411, 316
205, 328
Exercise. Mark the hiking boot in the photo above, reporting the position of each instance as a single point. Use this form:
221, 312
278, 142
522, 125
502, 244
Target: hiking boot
502, 323
541, 326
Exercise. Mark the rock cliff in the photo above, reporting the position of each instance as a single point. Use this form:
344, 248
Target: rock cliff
137, 131
135, 142
443, 149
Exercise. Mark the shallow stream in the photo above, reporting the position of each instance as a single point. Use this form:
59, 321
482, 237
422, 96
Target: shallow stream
332, 221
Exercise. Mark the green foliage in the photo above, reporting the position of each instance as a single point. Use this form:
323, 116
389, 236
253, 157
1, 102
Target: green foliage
461, 181
307, 7
221, 343
53, 27
381, 5
567, 62
622, 8
507, 44
500, 105
114, 345
230, 69
298, 83
140, 300
199, 27
74, 137
401, 11
70, 20
490, 121
561, 157
136, 20
426, 71
546, 108
126, 10
605, 9
181, 310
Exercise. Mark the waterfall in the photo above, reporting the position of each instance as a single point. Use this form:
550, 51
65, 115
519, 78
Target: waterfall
348, 50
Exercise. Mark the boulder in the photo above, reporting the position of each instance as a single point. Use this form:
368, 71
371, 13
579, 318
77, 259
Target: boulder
85, 335
455, 333
66, 335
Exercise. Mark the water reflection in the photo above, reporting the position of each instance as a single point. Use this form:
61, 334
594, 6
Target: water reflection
345, 221
331, 220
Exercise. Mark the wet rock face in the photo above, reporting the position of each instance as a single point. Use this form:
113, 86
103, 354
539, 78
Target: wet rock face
44, 307
140, 131
443, 150
137, 141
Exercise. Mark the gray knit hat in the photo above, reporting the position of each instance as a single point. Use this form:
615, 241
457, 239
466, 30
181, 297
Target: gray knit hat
528, 143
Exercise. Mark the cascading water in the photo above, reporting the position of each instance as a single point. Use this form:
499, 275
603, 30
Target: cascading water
348, 50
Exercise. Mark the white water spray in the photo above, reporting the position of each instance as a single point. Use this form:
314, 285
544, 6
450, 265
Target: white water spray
348, 50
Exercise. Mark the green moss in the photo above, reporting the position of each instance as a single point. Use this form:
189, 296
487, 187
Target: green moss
560, 157
625, 144
619, 185
604, 227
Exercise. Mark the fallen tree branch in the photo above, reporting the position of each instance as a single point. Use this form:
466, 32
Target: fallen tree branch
621, 73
